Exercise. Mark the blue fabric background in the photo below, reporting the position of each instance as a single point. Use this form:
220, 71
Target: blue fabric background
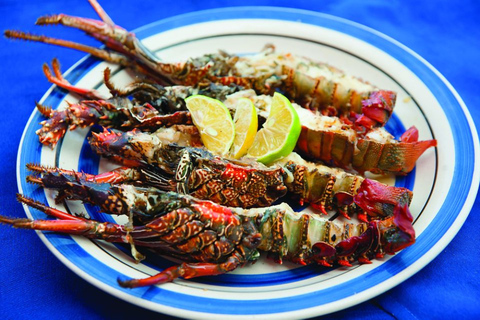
35, 285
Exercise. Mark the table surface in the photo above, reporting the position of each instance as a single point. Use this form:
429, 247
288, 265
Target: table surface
34, 284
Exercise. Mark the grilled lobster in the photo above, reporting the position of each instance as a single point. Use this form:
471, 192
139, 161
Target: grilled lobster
317, 86
331, 140
212, 239
195, 171
143, 105
324, 138
209, 237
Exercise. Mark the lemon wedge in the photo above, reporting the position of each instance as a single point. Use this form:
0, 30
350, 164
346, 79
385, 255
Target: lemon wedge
214, 122
246, 125
279, 133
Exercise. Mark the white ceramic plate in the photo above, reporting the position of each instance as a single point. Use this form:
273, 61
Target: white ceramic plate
266, 290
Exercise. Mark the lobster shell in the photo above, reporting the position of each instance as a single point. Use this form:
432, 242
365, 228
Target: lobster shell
362, 155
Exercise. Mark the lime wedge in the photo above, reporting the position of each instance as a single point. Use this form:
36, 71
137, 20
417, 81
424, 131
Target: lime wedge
279, 133
214, 122
246, 124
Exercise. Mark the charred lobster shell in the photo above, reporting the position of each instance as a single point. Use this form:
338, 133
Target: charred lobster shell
214, 239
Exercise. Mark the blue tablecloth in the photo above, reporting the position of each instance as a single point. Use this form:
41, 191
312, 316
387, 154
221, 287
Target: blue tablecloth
35, 285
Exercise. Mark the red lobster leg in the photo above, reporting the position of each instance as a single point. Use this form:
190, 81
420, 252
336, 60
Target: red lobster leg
118, 175
74, 225
101, 13
61, 82
47, 210
99, 53
320, 207
87, 228
186, 271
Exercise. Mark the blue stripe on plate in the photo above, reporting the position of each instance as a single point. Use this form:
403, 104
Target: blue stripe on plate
455, 199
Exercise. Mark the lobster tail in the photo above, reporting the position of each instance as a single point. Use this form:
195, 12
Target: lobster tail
314, 240
397, 232
213, 238
377, 109
363, 154
378, 199
398, 158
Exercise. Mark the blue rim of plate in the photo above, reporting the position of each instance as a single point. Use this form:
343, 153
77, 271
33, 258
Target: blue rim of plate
438, 234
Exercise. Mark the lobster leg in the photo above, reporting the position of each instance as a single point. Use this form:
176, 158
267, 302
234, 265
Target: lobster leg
107, 231
76, 187
186, 271
46, 209
58, 79
113, 36
87, 228
118, 175
75, 225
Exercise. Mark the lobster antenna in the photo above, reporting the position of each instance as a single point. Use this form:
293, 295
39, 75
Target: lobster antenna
101, 13
97, 52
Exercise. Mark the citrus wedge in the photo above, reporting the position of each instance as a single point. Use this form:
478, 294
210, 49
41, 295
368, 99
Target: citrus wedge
246, 125
279, 133
214, 122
